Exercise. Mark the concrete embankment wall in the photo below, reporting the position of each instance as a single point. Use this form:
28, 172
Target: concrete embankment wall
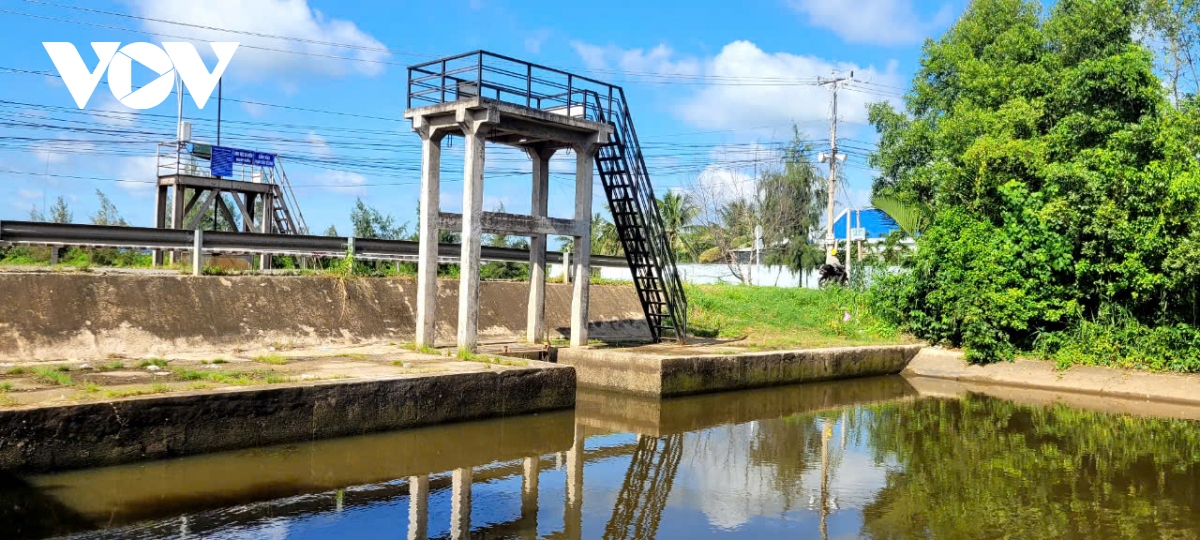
108, 433
668, 376
48, 316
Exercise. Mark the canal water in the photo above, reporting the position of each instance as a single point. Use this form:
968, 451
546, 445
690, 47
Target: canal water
875, 458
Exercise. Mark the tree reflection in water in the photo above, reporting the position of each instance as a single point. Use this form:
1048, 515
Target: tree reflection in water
980, 467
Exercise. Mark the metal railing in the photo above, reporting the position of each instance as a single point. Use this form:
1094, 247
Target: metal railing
505, 79
175, 159
105, 236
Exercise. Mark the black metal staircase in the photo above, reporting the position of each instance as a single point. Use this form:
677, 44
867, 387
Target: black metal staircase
640, 226
492, 77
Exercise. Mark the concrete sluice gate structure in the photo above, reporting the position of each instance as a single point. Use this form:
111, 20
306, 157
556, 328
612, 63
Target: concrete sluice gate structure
545, 455
486, 98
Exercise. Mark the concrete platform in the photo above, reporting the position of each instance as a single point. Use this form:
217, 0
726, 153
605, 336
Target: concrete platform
192, 406
671, 370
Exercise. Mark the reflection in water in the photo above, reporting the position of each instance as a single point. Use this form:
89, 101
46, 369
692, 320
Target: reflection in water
859, 458
647, 484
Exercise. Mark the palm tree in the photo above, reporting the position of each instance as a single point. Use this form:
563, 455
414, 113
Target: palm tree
678, 212
914, 218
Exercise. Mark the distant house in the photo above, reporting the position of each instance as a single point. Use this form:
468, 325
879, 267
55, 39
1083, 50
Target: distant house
877, 224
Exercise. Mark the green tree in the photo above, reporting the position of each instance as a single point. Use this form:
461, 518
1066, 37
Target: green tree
371, 223
60, 213
1062, 182
678, 214
793, 199
107, 213
331, 231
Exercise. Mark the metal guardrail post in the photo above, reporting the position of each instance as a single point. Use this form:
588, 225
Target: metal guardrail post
350, 246
197, 256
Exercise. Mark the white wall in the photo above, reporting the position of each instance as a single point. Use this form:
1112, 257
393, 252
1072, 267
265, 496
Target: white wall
708, 274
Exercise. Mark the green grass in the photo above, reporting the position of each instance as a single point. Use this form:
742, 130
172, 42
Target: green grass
423, 349
16, 371
140, 391
6, 387
466, 355
113, 366
273, 359
239, 378
153, 362
53, 376
777, 318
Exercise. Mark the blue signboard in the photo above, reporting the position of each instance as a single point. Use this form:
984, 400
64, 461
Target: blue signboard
224, 157
221, 162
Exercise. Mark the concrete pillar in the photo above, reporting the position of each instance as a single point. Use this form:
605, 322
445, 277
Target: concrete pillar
472, 236
427, 253
160, 217
536, 317
418, 507
529, 495
177, 212
265, 227
573, 508
584, 163
460, 504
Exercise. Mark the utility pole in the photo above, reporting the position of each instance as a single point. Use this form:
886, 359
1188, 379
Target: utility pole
834, 83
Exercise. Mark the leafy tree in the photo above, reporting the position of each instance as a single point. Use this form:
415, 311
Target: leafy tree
793, 199
371, 223
60, 213
107, 213
331, 231
1062, 182
1171, 28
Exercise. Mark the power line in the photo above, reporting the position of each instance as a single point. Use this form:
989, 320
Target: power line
654, 77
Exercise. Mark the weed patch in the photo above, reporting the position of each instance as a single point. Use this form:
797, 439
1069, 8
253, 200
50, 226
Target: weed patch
53, 376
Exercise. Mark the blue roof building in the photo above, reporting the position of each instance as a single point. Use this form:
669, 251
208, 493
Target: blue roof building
875, 221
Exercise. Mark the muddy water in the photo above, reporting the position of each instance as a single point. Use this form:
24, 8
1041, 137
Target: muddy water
867, 458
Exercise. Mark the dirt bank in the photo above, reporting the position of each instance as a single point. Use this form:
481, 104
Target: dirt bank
51, 316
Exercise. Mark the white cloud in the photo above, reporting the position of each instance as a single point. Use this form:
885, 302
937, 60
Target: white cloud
349, 183
55, 152
883, 22
254, 110
292, 18
138, 170
533, 43
727, 106
29, 194
108, 111
318, 145
659, 60
733, 94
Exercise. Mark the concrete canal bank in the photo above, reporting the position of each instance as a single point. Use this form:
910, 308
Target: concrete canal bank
668, 370
1100, 382
54, 316
200, 406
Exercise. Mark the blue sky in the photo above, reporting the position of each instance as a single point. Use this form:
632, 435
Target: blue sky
714, 87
